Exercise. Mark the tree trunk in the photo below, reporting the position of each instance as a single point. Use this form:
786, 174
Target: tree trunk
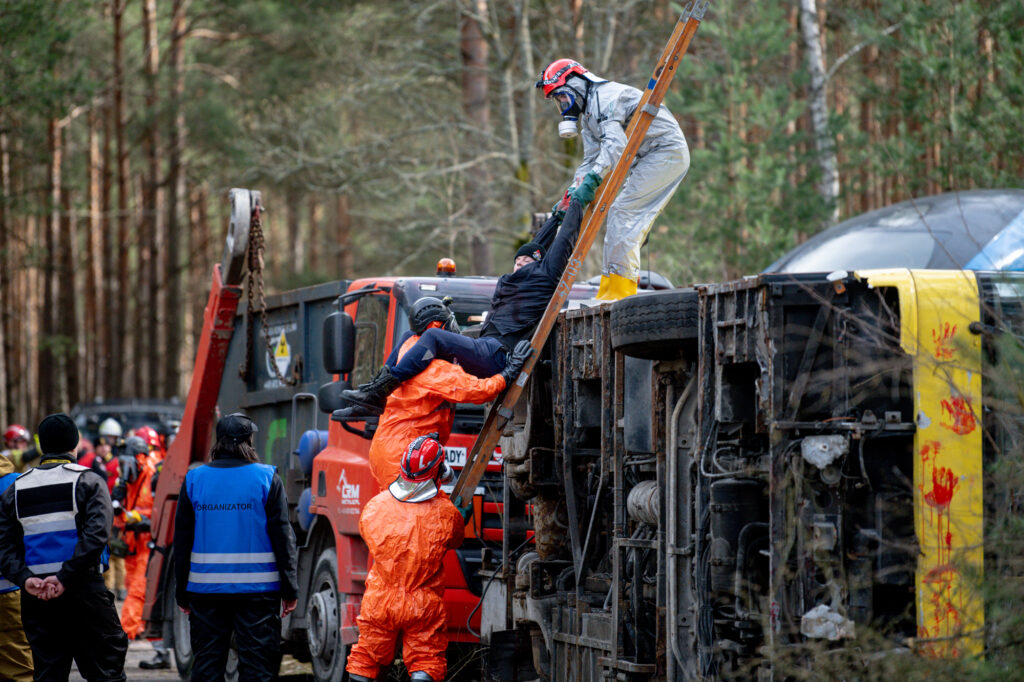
576, 17
528, 197
21, 368
476, 108
173, 313
94, 314
139, 385
48, 360
67, 320
315, 241
293, 212
151, 263
7, 312
119, 314
343, 217
107, 366
199, 247
828, 185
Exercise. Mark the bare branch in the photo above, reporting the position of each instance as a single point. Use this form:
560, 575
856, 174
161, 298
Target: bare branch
219, 74
858, 47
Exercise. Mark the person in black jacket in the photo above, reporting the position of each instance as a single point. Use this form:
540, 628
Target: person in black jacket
235, 557
54, 527
519, 300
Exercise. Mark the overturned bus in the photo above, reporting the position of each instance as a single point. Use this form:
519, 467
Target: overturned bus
706, 482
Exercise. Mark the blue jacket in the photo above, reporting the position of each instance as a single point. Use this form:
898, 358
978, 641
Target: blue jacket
231, 533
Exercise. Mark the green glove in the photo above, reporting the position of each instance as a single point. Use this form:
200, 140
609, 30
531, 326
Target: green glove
588, 188
467, 511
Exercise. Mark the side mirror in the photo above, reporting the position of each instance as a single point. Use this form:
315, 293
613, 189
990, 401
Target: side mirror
339, 343
329, 395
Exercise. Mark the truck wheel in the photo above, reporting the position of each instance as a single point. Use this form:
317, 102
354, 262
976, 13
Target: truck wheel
656, 325
182, 643
323, 618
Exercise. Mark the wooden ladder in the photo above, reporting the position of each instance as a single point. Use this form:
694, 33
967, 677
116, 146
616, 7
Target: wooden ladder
593, 221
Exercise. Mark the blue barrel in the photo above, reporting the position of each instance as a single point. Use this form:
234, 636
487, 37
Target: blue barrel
305, 516
310, 445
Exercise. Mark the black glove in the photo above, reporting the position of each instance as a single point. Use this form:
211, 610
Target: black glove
515, 361
452, 324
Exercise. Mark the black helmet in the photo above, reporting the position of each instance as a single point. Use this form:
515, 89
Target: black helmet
426, 310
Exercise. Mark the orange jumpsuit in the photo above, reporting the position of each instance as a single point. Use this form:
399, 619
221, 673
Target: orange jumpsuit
405, 586
422, 405
139, 499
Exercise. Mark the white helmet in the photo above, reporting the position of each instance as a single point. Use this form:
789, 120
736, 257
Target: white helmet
110, 428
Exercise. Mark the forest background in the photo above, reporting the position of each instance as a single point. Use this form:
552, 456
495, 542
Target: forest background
385, 135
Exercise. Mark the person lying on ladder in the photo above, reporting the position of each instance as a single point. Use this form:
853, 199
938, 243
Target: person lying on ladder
517, 306
603, 108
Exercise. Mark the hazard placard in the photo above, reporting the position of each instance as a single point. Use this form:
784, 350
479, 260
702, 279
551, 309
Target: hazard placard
282, 354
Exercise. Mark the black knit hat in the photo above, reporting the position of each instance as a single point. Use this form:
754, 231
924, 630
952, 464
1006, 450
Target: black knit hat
237, 427
58, 434
533, 250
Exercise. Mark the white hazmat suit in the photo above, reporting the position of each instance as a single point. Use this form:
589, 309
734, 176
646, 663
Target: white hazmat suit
660, 165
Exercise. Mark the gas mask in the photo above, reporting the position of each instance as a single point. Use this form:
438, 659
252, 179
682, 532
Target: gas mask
129, 468
570, 106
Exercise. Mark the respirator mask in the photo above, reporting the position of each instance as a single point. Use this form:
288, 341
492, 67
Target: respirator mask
569, 107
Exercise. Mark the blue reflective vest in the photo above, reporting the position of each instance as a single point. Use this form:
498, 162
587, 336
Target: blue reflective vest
231, 552
44, 500
5, 483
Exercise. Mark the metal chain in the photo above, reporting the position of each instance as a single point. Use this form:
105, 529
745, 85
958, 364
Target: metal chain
255, 292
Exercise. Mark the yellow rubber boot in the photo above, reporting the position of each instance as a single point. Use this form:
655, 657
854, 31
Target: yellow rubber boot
614, 287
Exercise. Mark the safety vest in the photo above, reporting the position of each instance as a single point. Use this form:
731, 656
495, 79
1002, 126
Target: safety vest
231, 552
44, 500
5, 483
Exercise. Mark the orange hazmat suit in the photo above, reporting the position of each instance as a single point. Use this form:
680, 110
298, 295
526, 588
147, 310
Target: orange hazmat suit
138, 505
424, 404
405, 586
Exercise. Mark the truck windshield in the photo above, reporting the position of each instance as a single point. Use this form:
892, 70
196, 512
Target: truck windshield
468, 311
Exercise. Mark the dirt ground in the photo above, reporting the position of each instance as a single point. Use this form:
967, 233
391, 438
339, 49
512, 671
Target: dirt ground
142, 650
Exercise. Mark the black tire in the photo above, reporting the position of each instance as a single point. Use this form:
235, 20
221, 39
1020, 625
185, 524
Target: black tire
323, 620
183, 658
656, 325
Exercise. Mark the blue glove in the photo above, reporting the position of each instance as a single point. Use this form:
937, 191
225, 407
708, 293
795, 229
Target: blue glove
588, 188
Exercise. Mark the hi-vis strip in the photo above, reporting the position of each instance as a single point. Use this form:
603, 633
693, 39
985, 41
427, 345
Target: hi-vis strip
936, 309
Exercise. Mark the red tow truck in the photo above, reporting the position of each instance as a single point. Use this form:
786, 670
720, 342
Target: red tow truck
285, 366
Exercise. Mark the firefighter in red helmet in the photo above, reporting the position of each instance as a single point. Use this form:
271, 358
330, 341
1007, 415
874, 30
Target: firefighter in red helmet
408, 527
18, 447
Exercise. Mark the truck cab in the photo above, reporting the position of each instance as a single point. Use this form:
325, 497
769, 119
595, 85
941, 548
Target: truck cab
372, 318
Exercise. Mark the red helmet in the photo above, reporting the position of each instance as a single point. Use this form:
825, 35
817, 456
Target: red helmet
421, 469
16, 432
422, 459
557, 73
149, 434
